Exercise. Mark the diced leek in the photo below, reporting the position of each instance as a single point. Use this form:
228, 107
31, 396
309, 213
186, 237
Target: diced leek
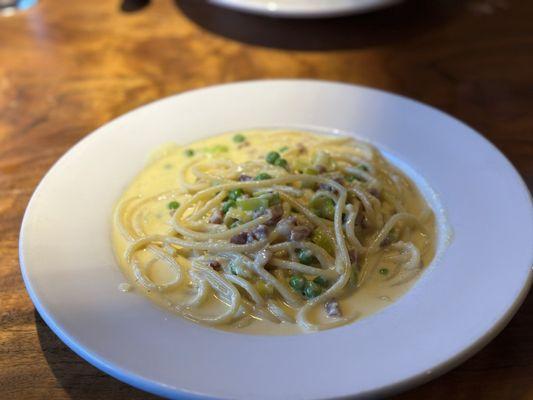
253, 203
272, 197
310, 171
216, 149
239, 213
264, 289
299, 164
323, 159
323, 206
320, 238
307, 184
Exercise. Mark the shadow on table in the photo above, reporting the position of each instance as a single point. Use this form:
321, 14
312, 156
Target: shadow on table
395, 24
77, 377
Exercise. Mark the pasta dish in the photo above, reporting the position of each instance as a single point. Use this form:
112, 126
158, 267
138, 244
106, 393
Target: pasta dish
273, 231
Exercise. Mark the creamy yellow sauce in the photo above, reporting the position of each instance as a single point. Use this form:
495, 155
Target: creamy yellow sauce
161, 176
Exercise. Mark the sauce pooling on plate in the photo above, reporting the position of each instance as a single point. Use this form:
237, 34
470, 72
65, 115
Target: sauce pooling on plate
273, 232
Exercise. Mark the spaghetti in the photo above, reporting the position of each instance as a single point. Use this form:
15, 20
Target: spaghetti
277, 227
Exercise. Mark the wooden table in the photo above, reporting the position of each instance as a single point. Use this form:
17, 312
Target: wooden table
68, 67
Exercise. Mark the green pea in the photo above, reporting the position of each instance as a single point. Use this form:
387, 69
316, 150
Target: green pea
297, 282
235, 194
384, 271
272, 157
173, 205
189, 152
312, 290
227, 205
238, 138
305, 256
262, 177
281, 162
238, 269
321, 281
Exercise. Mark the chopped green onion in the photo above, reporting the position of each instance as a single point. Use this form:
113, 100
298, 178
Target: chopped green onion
312, 290
227, 205
363, 167
297, 282
283, 149
272, 157
235, 194
189, 152
320, 280
384, 271
252, 204
305, 256
262, 177
238, 138
173, 205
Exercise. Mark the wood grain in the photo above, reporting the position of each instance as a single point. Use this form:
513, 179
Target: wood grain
68, 67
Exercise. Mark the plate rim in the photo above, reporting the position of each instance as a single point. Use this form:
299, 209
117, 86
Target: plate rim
295, 11
159, 388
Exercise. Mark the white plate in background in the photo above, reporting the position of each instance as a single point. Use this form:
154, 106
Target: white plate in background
304, 8
459, 304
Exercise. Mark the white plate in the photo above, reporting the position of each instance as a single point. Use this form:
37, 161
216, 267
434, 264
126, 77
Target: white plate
457, 306
304, 8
